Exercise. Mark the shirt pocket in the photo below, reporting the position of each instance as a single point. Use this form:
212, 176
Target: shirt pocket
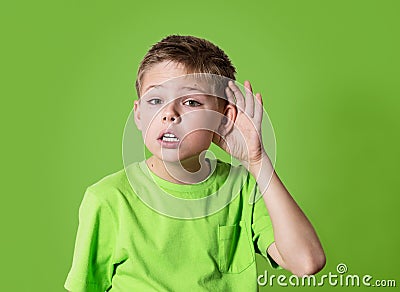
235, 252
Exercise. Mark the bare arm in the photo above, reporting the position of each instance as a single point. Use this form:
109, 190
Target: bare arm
296, 247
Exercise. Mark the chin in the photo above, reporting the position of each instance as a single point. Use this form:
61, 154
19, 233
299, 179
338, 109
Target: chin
175, 158
167, 157
170, 159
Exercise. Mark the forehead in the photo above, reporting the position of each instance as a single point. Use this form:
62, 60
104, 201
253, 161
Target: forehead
161, 72
168, 76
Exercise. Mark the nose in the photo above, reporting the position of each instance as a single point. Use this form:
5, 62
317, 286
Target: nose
170, 113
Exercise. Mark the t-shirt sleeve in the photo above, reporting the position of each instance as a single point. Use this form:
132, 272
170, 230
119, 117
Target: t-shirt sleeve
263, 233
92, 265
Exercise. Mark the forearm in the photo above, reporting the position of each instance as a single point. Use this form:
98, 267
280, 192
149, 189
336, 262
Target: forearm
295, 239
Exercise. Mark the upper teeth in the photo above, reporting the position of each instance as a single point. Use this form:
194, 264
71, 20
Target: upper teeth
170, 137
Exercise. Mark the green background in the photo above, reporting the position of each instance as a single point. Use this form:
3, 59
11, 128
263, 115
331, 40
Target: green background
329, 75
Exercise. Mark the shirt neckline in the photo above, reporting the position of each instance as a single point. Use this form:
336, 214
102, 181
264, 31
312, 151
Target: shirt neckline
182, 188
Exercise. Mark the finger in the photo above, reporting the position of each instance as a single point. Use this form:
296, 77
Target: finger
258, 109
238, 95
249, 99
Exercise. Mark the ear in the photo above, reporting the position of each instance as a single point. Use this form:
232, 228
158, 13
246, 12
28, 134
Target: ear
228, 119
136, 111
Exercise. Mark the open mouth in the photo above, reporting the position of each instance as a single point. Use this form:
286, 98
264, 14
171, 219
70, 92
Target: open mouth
169, 137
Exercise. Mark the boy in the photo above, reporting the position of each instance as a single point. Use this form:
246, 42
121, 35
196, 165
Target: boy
130, 240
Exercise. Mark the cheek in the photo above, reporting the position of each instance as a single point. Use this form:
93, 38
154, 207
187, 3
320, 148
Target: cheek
206, 119
149, 121
200, 139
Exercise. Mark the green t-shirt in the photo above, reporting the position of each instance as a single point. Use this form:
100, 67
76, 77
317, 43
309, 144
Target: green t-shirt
124, 245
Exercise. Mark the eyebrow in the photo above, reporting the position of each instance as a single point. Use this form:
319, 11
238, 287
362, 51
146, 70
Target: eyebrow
153, 86
190, 88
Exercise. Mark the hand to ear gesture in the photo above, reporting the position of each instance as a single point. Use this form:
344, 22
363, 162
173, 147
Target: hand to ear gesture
243, 141
296, 246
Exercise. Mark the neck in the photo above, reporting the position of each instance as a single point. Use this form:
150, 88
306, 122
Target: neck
189, 171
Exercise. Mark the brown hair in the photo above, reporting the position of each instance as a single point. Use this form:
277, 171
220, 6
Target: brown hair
196, 54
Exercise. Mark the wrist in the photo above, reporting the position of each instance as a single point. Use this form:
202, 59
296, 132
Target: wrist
263, 172
256, 167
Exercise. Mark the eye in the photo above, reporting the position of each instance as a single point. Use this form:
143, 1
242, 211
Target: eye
192, 103
154, 101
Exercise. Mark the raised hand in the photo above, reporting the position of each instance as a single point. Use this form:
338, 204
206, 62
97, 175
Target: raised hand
244, 141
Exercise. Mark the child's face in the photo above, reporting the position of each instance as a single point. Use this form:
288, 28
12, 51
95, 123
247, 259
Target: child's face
176, 117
